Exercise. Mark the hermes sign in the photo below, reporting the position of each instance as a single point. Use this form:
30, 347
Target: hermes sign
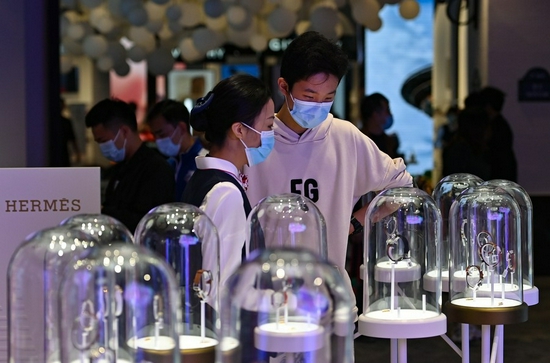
32, 199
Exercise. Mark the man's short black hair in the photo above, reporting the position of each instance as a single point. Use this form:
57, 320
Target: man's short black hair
172, 111
111, 113
370, 104
309, 54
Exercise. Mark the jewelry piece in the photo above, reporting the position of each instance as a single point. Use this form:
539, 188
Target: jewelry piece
510, 263
474, 277
158, 311
463, 237
397, 246
84, 330
202, 283
490, 254
484, 238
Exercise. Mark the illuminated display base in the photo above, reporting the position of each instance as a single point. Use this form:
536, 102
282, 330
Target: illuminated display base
530, 294
410, 324
291, 337
483, 311
405, 271
431, 279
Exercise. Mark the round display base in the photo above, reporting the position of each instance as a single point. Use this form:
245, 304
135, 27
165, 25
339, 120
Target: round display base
480, 312
409, 325
404, 271
530, 295
431, 279
291, 337
195, 349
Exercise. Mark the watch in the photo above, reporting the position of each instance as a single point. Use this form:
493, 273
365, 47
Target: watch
357, 226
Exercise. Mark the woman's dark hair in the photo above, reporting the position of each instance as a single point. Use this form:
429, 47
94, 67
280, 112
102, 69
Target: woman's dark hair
239, 98
312, 53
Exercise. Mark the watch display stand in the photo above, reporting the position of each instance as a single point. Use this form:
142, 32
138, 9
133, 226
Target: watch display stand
530, 291
486, 282
288, 304
402, 231
183, 236
444, 194
120, 305
34, 276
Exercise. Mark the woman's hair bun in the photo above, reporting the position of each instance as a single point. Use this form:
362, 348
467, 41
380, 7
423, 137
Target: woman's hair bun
198, 116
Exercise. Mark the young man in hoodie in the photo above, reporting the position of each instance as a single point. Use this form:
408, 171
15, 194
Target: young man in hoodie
325, 159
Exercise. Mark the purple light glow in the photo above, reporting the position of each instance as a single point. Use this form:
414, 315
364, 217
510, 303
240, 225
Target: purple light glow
412, 219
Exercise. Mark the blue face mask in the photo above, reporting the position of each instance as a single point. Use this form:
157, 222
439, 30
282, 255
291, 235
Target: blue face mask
256, 155
111, 152
389, 122
309, 114
167, 147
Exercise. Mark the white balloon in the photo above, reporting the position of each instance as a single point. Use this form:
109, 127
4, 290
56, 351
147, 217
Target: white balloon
175, 27
138, 16
71, 46
117, 52
191, 15
141, 36
323, 18
160, 62
94, 46
122, 69
98, 13
253, 6
65, 64
218, 24
409, 9
207, 39
165, 32
292, 5
238, 17
75, 31
105, 24
374, 24
240, 38
173, 13
188, 50
105, 63
154, 26
91, 3
137, 53
258, 42
282, 21
214, 8
154, 11
364, 10
127, 5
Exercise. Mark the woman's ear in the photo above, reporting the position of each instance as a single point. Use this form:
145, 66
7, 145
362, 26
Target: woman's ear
237, 130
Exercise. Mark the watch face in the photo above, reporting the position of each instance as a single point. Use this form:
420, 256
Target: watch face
490, 254
85, 327
484, 238
397, 248
474, 277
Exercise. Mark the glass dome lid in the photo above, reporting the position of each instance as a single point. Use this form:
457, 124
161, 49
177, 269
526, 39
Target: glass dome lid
34, 274
119, 304
444, 194
287, 220
183, 236
286, 304
102, 227
486, 283
402, 238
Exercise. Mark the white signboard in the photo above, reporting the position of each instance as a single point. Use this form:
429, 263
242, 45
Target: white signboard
32, 199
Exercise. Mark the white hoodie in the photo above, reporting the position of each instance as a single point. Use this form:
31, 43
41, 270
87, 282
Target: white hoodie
333, 164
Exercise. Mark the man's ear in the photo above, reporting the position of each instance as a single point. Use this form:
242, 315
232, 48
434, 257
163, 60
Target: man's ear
283, 86
184, 128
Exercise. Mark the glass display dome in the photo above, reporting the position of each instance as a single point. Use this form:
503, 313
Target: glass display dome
104, 228
444, 194
286, 305
287, 220
402, 237
485, 270
188, 241
119, 304
34, 274
530, 291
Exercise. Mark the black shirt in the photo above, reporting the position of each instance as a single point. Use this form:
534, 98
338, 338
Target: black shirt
138, 185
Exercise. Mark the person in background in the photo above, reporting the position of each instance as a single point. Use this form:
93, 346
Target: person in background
68, 138
468, 150
325, 159
141, 179
377, 118
168, 121
501, 139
